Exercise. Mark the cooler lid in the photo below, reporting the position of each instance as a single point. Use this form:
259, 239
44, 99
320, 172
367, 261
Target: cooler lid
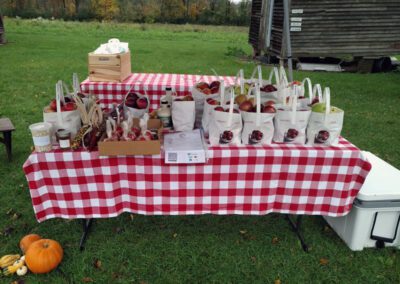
382, 182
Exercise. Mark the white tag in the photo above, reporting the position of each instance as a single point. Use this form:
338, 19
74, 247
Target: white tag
65, 143
41, 141
296, 19
297, 11
295, 29
295, 24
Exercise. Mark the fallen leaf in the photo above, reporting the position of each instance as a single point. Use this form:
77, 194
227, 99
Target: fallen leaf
21, 185
10, 211
97, 263
253, 258
323, 261
327, 229
175, 235
15, 216
277, 281
87, 280
131, 216
243, 232
275, 240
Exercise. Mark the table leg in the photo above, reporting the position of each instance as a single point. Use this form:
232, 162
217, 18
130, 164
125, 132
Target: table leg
87, 223
296, 226
7, 142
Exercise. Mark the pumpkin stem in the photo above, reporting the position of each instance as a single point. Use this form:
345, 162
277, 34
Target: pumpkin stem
45, 245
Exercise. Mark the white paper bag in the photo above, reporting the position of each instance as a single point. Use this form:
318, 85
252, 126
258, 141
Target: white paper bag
209, 106
137, 112
258, 128
284, 90
183, 114
291, 122
324, 128
225, 127
68, 120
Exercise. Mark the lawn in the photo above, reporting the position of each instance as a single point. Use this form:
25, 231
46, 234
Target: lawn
193, 249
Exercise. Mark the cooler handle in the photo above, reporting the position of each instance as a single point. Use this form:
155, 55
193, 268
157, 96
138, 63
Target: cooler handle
384, 239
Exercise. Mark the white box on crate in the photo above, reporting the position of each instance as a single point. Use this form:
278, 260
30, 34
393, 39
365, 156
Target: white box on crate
185, 147
375, 216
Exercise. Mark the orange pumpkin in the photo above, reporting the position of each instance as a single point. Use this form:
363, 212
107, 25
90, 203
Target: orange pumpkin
27, 241
43, 256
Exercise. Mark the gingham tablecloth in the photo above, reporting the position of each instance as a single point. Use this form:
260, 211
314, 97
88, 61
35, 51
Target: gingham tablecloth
236, 180
155, 84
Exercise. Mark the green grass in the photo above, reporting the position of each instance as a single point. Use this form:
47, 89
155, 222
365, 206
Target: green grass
182, 249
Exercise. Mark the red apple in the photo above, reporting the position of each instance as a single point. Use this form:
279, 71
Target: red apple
202, 85
188, 98
142, 103
69, 106
214, 90
215, 84
219, 108
268, 109
235, 111
246, 106
135, 130
206, 91
53, 105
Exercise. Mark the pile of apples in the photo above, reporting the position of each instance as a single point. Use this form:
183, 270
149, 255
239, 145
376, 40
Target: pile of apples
248, 105
268, 88
133, 100
220, 108
69, 105
208, 89
134, 134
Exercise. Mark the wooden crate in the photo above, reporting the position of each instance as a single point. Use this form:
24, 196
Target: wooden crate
109, 67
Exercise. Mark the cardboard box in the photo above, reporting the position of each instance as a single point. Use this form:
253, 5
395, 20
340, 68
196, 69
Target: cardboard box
109, 67
124, 148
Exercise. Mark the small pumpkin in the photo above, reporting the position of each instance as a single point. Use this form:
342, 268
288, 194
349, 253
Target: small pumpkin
43, 256
27, 241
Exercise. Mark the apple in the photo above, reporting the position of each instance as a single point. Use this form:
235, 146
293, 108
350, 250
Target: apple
245, 106
202, 86
269, 103
240, 98
235, 111
206, 91
215, 84
53, 104
214, 90
132, 136
314, 101
268, 109
268, 88
69, 106
219, 108
119, 131
135, 130
188, 98
321, 108
213, 102
142, 103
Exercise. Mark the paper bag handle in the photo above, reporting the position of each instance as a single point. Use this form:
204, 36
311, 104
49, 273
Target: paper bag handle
222, 92
317, 90
75, 83
230, 116
309, 85
274, 72
258, 106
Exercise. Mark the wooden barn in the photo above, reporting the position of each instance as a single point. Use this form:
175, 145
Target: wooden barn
327, 28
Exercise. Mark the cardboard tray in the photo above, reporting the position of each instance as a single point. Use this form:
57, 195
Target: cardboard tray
125, 148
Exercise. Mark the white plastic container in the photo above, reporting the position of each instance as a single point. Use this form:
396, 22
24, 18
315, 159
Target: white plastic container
41, 135
375, 216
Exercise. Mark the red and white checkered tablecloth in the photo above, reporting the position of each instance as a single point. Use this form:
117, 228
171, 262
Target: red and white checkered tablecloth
110, 93
236, 180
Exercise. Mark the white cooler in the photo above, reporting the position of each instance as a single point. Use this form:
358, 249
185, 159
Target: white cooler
375, 216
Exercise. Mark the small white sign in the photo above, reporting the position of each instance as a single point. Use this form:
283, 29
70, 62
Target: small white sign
295, 24
296, 19
297, 11
295, 29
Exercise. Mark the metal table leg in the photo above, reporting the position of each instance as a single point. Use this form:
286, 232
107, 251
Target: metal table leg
87, 223
296, 226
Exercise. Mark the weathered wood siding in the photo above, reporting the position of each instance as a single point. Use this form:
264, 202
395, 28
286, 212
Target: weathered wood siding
339, 28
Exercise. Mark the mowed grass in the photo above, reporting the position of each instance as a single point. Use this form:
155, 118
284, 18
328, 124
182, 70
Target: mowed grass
192, 249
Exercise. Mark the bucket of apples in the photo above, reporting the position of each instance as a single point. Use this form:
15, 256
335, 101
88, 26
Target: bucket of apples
136, 104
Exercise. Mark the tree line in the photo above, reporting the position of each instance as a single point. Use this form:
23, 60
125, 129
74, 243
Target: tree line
215, 12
